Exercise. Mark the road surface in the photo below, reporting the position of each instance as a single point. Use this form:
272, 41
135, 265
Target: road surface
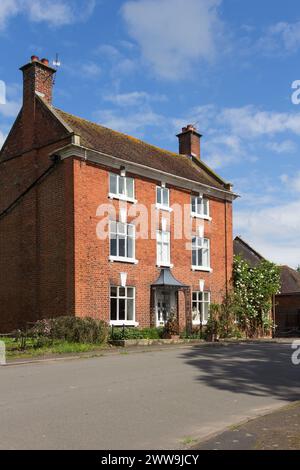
151, 400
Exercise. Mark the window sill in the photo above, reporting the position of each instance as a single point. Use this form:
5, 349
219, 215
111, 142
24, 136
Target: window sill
164, 208
123, 323
203, 217
165, 265
118, 259
122, 198
202, 268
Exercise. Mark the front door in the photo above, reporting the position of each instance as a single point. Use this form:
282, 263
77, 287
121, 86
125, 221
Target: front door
165, 302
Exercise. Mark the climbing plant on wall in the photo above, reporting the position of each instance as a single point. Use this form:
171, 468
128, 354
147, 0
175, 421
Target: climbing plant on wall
254, 288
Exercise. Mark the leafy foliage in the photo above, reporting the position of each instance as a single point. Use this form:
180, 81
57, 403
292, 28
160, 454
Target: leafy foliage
118, 333
254, 289
70, 329
171, 327
246, 310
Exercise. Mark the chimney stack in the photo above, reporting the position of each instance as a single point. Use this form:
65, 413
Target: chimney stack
189, 141
37, 78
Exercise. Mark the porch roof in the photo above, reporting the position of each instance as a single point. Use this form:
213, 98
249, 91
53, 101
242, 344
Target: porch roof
166, 279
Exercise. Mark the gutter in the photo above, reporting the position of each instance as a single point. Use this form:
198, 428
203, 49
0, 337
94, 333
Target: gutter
72, 150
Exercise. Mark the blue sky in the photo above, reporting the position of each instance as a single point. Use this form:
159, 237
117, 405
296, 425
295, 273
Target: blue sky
148, 67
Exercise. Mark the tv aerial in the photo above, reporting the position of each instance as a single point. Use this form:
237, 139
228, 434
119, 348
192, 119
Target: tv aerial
56, 64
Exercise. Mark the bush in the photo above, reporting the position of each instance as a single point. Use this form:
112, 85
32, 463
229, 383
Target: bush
196, 333
119, 333
71, 329
171, 327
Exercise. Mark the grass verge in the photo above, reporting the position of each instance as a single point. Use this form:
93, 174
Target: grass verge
58, 347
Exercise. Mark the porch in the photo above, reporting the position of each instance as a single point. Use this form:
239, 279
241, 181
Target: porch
170, 297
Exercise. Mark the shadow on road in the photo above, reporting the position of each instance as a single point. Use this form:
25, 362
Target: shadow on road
256, 369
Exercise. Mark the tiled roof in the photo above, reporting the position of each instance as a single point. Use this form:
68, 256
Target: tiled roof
290, 280
110, 142
245, 251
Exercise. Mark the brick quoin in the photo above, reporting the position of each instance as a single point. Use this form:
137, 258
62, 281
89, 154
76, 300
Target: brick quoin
51, 261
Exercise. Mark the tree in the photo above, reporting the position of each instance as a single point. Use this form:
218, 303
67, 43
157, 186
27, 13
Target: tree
298, 269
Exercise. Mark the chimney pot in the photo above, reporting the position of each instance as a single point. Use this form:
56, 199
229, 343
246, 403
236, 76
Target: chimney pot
34, 58
45, 61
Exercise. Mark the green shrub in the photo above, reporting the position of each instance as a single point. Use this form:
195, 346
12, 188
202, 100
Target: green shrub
196, 333
70, 329
119, 333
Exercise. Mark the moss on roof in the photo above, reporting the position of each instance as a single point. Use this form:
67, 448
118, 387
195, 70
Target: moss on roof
133, 150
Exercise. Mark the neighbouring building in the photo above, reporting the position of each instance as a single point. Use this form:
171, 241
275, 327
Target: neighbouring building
286, 308
62, 177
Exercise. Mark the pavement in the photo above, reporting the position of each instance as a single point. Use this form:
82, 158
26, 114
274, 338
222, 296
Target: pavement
159, 399
279, 430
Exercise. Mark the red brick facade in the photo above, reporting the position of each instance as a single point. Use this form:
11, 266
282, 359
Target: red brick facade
51, 260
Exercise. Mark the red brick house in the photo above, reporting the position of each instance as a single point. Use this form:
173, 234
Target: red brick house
61, 177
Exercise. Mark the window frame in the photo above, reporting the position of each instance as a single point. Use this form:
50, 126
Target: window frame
119, 322
119, 234
161, 205
200, 215
159, 248
198, 246
201, 302
117, 194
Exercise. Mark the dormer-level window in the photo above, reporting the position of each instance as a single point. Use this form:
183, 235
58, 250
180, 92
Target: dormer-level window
200, 207
121, 187
162, 197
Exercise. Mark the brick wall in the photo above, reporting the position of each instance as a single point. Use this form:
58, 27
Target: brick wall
94, 273
36, 237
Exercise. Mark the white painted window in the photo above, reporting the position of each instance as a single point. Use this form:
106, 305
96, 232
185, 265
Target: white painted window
200, 207
163, 248
200, 307
200, 253
121, 187
122, 241
162, 197
122, 305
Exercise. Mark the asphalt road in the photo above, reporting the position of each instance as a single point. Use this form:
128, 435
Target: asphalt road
154, 400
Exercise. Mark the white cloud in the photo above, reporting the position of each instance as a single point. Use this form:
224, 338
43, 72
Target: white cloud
135, 98
10, 109
286, 146
91, 70
281, 36
292, 182
174, 34
120, 65
53, 12
8, 8
249, 121
273, 231
13, 101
